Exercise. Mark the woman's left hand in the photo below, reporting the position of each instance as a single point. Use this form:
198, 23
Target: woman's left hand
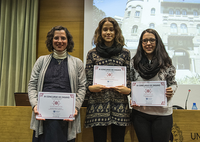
76, 112
133, 105
169, 92
122, 89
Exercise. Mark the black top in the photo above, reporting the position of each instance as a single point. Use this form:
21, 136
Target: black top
57, 77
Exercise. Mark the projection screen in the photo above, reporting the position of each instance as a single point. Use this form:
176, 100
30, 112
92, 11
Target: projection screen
176, 21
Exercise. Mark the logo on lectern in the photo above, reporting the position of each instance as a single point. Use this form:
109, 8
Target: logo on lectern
176, 134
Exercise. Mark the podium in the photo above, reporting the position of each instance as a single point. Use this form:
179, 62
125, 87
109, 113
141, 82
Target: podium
186, 125
186, 128
15, 126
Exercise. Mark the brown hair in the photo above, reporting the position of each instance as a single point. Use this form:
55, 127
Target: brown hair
119, 39
50, 35
160, 52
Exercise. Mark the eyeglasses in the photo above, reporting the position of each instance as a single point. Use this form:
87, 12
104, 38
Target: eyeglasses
151, 40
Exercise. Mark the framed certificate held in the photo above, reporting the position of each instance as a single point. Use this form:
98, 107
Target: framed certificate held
109, 76
54, 105
148, 93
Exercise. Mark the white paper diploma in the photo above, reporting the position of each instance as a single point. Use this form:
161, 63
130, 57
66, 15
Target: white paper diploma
148, 93
53, 105
109, 76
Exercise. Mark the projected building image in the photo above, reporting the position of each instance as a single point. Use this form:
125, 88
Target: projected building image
178, 24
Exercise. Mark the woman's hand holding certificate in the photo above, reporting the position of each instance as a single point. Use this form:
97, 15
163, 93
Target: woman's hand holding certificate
169, 92
76, 112
37, 113
122, 89
149, 93
97, 88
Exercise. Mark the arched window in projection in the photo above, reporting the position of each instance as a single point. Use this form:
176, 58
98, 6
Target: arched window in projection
151, 25
178, 12
184, 12
181, 59
137, 14
171, 12
153, 11
129, 13
184, 28
173, 28
198, 28
134, 29
195, 13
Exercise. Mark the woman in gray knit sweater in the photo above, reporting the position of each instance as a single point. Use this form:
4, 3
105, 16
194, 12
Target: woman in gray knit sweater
57, 72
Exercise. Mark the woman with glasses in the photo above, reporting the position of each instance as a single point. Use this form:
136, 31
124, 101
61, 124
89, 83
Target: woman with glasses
152, 63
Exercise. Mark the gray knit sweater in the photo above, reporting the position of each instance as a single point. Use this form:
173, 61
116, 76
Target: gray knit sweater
77, 82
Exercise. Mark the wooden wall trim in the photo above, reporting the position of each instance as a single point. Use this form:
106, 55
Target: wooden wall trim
67, 13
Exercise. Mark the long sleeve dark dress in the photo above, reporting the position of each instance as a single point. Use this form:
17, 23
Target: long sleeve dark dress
108, 106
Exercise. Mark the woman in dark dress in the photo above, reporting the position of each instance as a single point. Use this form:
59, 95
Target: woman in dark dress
57, 72
107, 106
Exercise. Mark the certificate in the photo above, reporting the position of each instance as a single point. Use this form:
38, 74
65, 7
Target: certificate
109, 76
53, 105
148, 93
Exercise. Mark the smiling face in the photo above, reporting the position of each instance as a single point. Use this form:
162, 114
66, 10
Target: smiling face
108, 33
149, 44
60, 41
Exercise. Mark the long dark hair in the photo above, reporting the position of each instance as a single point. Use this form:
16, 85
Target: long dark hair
50, 36
160, 52
119, 39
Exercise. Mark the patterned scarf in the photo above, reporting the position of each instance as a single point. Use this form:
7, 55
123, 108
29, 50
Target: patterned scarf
148, 70
106, 52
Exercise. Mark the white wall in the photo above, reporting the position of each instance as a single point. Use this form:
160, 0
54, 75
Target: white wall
88, 32
181, 95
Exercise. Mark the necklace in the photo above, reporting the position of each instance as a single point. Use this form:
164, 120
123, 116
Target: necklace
60, 61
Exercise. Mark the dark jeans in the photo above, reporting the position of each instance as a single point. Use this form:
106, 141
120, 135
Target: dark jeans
117, 133
53, 131
152, 128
